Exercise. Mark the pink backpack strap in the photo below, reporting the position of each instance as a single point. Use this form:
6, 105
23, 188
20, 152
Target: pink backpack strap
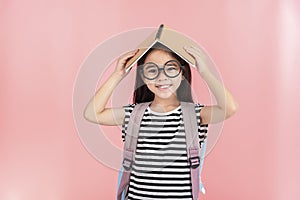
192, 143
131, 138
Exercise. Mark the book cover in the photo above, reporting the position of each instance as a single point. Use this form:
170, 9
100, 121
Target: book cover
168, 37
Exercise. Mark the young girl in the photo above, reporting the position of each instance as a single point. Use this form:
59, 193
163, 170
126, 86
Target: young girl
161, 168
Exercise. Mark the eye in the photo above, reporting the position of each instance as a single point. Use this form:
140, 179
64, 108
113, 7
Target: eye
152, 70
172, 65
170, 68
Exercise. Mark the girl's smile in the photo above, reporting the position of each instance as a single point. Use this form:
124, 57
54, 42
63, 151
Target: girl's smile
163, 86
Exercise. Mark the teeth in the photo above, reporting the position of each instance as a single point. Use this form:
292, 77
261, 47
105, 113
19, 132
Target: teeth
164, 86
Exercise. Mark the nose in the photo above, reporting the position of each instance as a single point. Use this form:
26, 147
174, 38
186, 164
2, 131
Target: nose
161, 75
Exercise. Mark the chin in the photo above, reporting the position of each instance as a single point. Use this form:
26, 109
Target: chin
164, 95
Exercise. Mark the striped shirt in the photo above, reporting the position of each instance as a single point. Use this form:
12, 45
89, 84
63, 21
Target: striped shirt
161, 169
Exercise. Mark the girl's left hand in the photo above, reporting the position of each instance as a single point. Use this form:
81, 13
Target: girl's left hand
200, 57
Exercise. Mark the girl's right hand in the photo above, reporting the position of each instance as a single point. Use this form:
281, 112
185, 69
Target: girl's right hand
120, 68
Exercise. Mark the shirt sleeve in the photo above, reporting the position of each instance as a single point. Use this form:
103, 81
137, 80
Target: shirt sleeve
128, 109
202, 128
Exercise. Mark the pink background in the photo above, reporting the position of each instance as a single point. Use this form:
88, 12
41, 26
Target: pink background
255, 45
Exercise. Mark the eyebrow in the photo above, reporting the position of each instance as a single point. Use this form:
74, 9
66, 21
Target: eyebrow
150, 65
163, 64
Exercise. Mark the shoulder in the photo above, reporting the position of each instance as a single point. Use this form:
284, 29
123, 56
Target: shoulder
129, 108
136, 106
198, 108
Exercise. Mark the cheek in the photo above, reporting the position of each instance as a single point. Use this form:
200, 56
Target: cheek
178, 81
151, 86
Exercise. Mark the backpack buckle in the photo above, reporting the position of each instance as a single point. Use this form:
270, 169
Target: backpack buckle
194, 162
127, 164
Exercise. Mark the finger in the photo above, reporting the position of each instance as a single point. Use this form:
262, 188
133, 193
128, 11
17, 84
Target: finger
192, 52
189, 52
128, 55
196, 49
199, 50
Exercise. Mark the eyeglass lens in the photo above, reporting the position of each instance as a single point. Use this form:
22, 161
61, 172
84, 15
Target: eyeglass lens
171, 69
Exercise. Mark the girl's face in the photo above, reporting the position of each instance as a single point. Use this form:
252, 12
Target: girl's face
163, 86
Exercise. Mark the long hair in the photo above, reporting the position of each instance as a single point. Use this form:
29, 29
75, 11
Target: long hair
143, 94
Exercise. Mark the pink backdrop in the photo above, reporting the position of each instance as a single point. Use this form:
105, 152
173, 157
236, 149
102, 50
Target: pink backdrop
255, 44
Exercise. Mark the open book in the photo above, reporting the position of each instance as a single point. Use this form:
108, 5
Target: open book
168, 37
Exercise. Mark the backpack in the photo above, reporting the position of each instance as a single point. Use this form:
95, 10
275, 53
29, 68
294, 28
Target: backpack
194, 152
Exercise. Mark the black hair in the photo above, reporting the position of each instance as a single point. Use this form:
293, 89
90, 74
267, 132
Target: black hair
143, 94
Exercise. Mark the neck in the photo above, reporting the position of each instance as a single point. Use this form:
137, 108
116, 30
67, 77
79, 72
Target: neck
160, 105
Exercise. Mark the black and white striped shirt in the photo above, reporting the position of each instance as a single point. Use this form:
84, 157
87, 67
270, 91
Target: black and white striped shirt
161, 169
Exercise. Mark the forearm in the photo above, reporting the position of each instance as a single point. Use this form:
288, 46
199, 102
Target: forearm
98, 102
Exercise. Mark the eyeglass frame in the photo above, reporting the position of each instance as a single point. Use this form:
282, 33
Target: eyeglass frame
161, 69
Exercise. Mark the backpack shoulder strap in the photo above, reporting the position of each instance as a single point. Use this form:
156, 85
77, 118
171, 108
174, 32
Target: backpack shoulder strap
192, 144
190, 125
134, 127
130, 146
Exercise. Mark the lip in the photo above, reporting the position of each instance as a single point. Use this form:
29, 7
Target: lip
163, 86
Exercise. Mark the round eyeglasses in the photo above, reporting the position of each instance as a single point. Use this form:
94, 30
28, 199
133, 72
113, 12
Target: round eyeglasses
171, 69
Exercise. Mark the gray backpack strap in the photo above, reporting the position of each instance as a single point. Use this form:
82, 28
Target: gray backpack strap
192, 143
131, 138
132, 134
